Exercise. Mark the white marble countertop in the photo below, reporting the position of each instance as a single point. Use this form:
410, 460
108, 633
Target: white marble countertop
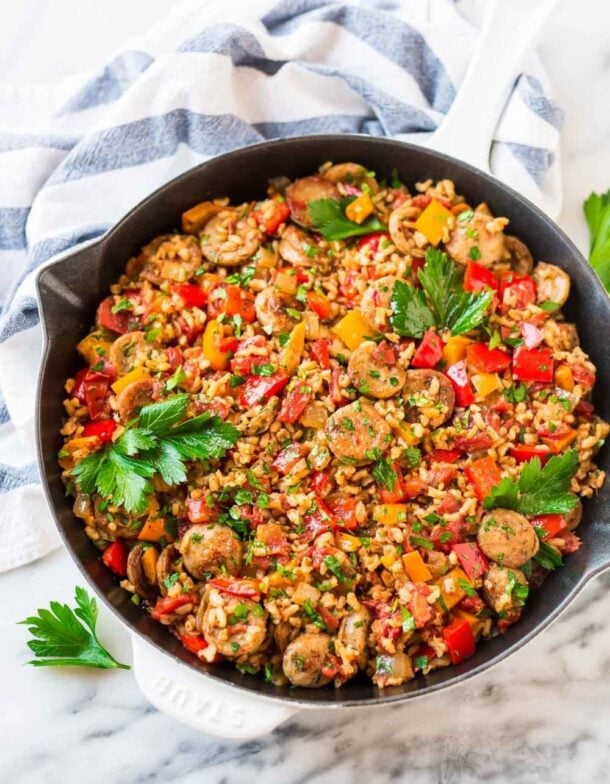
541, 716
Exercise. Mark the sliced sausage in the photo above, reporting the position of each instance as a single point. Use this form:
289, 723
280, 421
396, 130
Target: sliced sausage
375, 304
400, 232
560, 336
507, 538
304, 659
301, 192
235, 625
169, 257
135, 396
472, 234
499, 586
271, 310
351, 174
393, 670
229, 240
574, 517
167, 565
353, 633
429, 394
357, 431
553, 283
136, 574
128, 351
521, 260
373, 370
211, 549
295, 248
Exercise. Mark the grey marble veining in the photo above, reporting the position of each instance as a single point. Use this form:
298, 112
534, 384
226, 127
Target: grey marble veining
542, 716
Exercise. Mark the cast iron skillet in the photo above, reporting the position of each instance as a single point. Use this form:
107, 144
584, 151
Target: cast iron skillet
70, 289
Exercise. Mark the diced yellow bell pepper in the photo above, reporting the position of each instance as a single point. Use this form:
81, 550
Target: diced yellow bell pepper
292, 351
564, 378
211, 337
353, 329
455, 578
404, 430
432, 221
388, 560
415, 567
348, 543
486, 383
455, 349
360, 209
149, 564
93, 347
137, 374
390, 514
194, 220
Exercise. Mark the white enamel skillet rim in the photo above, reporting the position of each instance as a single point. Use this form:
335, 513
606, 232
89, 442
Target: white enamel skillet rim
218, 698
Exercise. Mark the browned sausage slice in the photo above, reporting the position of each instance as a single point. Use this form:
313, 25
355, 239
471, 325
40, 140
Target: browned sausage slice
429, 397
135, 396
304, 659
521, 260
508, 538
500, 588
553, 283
273, 310
472, 239
235, 625
211, 548
229, 240
375, 304
373, 370
357, 432
301, 192
297, 248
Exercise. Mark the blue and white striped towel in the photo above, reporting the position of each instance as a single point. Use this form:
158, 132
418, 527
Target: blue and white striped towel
213, 76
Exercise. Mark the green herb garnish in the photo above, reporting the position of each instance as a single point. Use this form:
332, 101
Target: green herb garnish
329, 218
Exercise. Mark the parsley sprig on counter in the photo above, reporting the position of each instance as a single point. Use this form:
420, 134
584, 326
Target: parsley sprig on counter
540, 489
159, 442
329, 218
597, 213
441, 302
66, 637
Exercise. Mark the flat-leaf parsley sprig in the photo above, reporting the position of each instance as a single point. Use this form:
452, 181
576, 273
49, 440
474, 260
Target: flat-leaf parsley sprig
329, 218
441, 302
158, 442
65, 637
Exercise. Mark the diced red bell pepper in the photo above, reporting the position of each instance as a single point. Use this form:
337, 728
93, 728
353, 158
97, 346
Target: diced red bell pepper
551, 524
482, 359
483, 474
260, 388
318, 519
199, 511
460, 640
429, 352
473, 562
228, 344
524, 452
442, 475
92, 388
115, 558
102, 429
191, 295
319, 303
239, 302
444, 456
115, 322
169, 604
517, 291
329, 619
343, 509
473, 443
533, 364
582, 376
288, 457
320, 351
397, 493
193, 642
174, 357
242, 366
414, 486
271, 219
294, 404
320, 482
236, 587
458, 376
479, 278
371, 241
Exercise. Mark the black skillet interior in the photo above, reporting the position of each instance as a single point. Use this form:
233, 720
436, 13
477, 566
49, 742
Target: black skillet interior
71, 289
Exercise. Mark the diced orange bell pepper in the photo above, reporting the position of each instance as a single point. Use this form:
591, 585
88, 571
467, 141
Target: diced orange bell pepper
564, 378
432, 221
415, 567
293, 350
353, 329
93, 347
360, 209
558, 441
347, 542
454, 579
486, 383
483, 474
286, 281
194, 220
149, 564
211, 340
455, 349
153, 530
390, 514
137, 374
404, 430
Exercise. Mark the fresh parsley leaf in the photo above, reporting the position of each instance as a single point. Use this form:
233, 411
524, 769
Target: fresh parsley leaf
334, 567
413, 456
549, 306
242, 278
175, 381
328, 216
548, 557
411, 315
66, 637
161, 417
121, 305
597, 213
313, 616
540, 489
384, 473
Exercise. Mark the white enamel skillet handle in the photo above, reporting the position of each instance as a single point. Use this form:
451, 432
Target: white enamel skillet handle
509, 30
466, 133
